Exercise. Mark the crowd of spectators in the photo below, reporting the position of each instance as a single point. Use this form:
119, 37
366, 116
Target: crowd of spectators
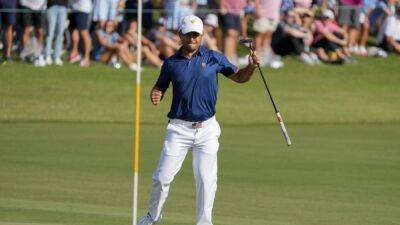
314, 31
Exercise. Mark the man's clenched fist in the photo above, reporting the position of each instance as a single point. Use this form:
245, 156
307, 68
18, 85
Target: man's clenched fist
156, 96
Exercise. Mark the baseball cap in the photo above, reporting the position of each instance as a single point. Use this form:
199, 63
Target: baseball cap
191, 24
212, 20
328, 14
160, 21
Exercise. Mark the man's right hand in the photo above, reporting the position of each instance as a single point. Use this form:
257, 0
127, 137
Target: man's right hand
156, 96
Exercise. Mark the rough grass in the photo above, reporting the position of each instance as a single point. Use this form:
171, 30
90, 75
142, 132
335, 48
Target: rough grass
367, 92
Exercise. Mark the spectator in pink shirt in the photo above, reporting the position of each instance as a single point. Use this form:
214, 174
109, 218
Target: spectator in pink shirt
230, 15
329, 37
266, 22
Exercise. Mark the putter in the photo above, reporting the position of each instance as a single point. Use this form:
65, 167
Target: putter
249, 42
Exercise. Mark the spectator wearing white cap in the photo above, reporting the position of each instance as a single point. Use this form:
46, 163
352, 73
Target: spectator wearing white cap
210, 29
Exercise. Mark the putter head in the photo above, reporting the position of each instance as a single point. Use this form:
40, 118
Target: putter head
247, 42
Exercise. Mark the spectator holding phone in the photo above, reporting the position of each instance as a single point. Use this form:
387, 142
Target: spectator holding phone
209, 32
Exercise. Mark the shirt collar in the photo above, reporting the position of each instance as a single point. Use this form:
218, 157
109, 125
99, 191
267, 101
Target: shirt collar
200, 52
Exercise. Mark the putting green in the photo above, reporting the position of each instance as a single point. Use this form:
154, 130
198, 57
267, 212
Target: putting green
79, 173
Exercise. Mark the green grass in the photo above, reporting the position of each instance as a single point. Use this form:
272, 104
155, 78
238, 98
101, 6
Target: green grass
66, 147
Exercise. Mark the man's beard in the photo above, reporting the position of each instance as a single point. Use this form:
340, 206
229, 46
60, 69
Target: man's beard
191, 47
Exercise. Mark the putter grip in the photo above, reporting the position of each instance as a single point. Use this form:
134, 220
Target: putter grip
283, 128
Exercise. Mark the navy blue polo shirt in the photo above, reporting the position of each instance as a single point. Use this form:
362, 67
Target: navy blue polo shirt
194, 82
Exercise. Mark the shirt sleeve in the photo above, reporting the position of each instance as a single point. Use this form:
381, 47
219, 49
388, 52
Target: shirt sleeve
164, 79
226, 67
319, 27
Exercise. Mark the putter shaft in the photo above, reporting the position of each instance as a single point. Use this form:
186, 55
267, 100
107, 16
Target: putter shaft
277, 113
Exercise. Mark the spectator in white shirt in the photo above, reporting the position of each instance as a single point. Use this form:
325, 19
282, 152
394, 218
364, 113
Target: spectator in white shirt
391, 42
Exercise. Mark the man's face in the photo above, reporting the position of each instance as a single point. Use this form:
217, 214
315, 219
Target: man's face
191, 41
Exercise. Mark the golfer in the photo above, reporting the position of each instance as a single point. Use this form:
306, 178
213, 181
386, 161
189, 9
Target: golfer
192, 125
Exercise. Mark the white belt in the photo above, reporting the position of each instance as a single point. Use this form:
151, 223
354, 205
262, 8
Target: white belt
194, 125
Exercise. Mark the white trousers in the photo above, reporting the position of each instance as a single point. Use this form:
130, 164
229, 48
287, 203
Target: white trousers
180, 137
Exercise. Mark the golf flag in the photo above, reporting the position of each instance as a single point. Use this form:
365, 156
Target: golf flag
137, 116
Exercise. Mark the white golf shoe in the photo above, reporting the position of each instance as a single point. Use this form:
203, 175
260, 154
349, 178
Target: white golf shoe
146, 220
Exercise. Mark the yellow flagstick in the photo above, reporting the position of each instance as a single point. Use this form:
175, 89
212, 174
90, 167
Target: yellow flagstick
137, 117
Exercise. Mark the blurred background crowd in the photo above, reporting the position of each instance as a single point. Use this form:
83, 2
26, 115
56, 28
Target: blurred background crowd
52, 32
